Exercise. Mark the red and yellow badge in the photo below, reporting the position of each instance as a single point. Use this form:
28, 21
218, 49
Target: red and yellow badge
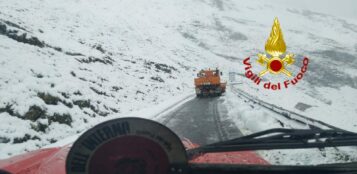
277, 60
275, 47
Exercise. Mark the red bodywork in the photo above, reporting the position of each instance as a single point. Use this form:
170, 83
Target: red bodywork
53, 160
242, 157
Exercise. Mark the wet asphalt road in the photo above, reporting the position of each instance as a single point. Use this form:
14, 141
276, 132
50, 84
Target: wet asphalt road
202, 120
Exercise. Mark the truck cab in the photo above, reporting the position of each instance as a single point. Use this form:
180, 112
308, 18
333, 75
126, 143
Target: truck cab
208, 83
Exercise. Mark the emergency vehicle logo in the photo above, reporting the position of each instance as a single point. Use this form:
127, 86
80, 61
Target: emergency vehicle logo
275, 62
275, 47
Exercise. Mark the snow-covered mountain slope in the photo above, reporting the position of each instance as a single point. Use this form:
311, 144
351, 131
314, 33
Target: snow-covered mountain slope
66, 65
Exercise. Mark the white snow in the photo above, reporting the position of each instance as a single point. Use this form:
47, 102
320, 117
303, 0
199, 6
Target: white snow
143, 53
153, 112
251, 118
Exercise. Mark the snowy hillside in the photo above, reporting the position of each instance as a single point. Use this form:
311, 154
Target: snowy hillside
66, 65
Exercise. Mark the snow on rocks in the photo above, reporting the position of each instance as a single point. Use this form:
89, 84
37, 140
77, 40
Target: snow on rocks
67, 65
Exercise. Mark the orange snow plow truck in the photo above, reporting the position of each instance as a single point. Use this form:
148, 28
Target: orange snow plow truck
208, 83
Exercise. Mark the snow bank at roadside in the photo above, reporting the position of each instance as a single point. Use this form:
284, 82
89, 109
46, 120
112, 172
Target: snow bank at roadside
151, 112
333, 106
251, 118
156, 111
83, 61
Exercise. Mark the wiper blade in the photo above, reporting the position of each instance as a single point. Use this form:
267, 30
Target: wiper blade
197, 168
282, 139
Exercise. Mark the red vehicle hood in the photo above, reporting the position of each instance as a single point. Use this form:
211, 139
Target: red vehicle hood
53, 160
117, 143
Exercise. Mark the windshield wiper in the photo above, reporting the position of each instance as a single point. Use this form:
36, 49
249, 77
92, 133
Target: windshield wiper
282, 139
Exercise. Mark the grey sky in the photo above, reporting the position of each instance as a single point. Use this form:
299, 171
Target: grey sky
340, 8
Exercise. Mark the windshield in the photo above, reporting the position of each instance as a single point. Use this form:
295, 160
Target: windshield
209, 70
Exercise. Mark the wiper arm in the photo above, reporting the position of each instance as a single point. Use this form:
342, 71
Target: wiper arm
282, 139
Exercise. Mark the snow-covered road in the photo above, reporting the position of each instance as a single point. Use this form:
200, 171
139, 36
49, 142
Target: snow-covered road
209, 120
67, 65
202, 120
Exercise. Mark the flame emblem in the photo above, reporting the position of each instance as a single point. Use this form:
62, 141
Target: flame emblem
275, 47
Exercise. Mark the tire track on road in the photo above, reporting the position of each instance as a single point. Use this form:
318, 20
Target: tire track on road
200, 120
222, 135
